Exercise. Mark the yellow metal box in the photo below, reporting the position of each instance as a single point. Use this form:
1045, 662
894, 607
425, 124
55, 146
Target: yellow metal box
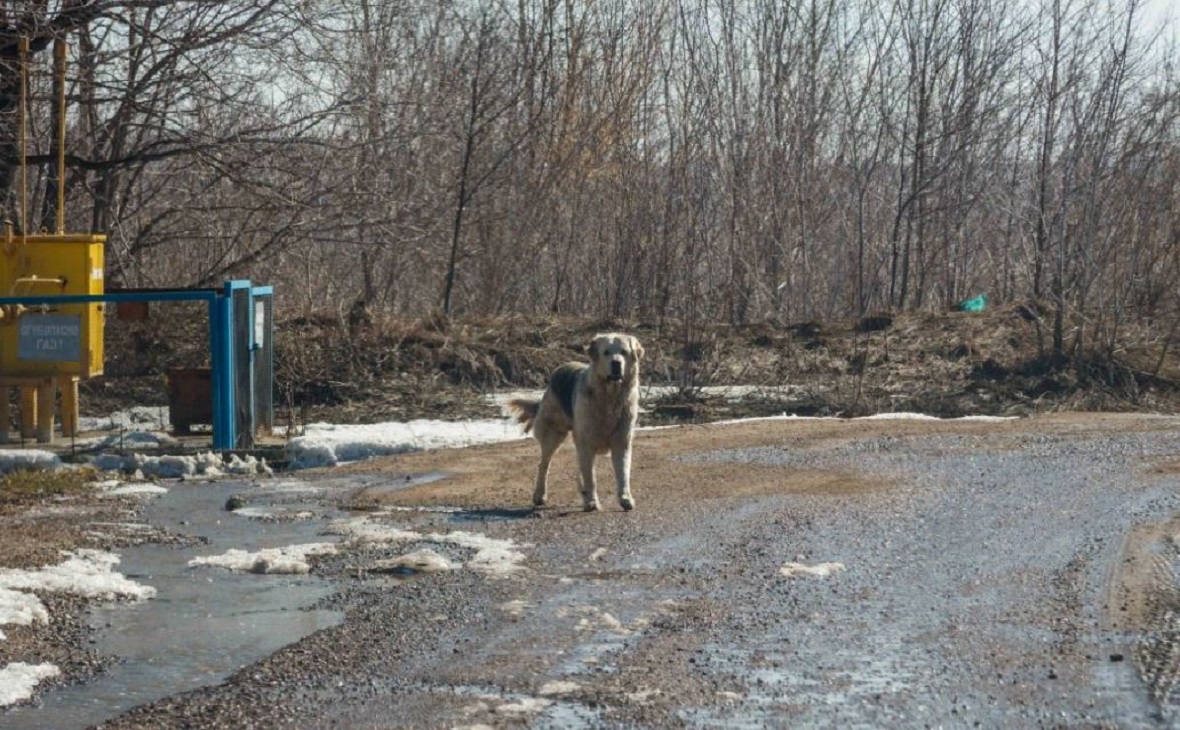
55, 339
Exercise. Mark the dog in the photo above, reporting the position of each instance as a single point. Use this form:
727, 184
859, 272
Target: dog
599, 403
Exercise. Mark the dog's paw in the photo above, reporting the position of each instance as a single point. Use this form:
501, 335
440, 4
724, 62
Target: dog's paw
627, 503
590, 507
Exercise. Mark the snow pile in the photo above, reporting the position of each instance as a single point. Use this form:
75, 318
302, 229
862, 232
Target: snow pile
21, 609
18, 679
18, 459
86, 573
324, 444
292, 559
138, 418
822, 570
207, 464
495, 558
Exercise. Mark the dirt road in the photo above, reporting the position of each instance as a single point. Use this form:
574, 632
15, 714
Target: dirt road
891, 573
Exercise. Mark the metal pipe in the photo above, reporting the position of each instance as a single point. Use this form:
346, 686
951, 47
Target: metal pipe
59, 54
23, 47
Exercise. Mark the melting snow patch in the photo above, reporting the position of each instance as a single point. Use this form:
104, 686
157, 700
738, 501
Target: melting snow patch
363, 531
21, 609
18, 459
822, 570
419, 561
142, 418
493, 557
17, 680
134, 490
172, 466
86, 573
325, 444
288, 560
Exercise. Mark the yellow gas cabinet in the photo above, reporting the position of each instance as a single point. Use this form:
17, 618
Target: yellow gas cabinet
52, 340
47, 348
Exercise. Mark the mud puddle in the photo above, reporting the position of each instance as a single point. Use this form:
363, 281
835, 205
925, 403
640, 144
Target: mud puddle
204, 624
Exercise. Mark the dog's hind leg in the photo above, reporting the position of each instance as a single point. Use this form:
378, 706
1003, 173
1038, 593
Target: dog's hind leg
550, 440
586, 469
620, 455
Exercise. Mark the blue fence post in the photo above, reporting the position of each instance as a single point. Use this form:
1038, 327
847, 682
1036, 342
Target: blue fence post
224, 422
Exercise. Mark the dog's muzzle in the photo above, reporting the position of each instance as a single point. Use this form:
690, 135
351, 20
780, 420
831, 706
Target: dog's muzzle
616, 371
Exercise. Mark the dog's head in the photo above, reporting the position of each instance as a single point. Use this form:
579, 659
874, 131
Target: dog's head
615, 357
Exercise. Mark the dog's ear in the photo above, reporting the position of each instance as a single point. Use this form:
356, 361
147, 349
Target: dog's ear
591, 350
637, 348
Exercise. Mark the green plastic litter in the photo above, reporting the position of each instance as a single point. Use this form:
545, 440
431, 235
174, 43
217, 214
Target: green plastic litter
974, 304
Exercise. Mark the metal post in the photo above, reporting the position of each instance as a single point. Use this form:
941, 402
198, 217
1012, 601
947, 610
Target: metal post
221, 335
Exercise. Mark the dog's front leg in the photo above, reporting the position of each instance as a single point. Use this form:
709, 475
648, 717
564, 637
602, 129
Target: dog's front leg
589, 488
620, 455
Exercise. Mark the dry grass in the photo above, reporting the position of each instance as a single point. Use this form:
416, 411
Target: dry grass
376, 367
25, 486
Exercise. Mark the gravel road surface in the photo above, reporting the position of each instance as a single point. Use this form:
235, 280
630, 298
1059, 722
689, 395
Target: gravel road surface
781, 573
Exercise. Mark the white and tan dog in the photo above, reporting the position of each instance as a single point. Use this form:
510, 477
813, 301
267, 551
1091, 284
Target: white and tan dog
599, 402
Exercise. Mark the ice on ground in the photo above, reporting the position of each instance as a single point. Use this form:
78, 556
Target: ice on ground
821, 570
325, 444
17, 680
21, 609
492, 557
86, 573
18, 459
171, 466
292, 559
138, 418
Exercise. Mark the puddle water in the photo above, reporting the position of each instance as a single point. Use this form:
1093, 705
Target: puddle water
203, 625
405, 481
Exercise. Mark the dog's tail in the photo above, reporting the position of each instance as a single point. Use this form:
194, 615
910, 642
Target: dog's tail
524, 411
